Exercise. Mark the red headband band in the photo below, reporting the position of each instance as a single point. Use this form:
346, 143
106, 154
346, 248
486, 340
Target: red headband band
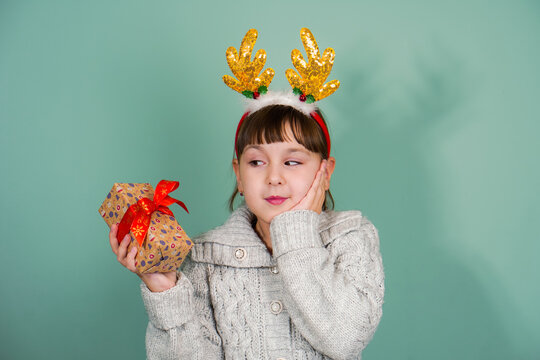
314, 115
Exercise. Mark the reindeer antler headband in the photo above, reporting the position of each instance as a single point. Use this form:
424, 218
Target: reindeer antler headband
308, 84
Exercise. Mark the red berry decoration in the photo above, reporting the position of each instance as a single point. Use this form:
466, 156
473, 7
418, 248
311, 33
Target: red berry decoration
256, 95
302, 97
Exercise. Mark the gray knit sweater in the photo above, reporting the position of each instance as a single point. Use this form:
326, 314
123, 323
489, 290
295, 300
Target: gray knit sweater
318, 296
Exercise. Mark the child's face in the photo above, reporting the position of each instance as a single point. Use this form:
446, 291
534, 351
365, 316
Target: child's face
275, 177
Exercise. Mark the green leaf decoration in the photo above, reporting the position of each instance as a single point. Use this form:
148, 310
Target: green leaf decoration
297, 91
248, 94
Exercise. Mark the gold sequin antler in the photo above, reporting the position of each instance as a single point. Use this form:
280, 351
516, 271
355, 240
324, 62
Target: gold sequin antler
309, 82
248, 82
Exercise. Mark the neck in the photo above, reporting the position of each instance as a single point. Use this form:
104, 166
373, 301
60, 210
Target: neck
263, 230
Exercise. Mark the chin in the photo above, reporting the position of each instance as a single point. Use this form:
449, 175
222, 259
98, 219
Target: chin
267, 216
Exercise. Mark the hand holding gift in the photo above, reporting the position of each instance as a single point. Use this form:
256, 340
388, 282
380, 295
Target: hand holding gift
158, 243
156, 282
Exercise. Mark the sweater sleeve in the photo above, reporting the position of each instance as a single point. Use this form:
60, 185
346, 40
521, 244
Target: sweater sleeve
181, 321
334, 294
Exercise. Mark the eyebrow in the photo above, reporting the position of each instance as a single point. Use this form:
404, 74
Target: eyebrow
288, 151
295, 150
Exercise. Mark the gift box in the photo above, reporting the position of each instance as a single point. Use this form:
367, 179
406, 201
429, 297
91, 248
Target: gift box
162, 243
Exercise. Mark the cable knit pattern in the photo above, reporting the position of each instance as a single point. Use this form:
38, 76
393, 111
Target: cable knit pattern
319, 296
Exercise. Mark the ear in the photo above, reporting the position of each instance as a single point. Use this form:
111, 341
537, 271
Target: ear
236, 168
330, 167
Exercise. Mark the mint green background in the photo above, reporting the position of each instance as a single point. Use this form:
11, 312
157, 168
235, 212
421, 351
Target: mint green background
435, 131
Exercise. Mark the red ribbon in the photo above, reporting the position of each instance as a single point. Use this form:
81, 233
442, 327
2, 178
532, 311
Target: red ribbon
137, 217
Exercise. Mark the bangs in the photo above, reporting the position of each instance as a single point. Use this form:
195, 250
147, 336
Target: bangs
270, 124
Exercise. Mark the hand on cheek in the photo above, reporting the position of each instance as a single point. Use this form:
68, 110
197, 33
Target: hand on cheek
316, 194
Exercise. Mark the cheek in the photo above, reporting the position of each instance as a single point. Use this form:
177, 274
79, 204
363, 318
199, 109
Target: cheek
303, 183
249, 180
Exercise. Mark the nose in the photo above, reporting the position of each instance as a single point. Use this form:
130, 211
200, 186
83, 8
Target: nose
275, 175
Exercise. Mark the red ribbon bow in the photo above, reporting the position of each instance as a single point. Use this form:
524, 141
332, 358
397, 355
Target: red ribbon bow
137, 217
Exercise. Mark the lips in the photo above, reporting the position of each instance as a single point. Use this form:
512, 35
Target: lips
275, 200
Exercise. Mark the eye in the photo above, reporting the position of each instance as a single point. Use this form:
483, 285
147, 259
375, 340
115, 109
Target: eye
292, 163
255, 162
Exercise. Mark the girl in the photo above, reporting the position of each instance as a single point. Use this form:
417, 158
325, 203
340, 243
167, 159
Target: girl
284, 277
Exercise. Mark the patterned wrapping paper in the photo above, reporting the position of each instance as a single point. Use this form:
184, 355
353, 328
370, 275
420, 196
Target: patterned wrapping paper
166, 245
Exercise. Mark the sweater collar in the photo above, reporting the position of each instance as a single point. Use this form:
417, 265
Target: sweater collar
235, 243
236, 231
225, 244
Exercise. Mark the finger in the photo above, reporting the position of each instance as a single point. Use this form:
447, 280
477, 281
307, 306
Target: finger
112, 238
320, 191
322, 170
122, 249
321, 196
321, 175
315, 186
325, 183
130, 259
319, 188
319, 178
322, 167
309, 201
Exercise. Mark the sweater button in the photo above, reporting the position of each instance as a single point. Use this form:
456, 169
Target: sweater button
276, 307
274, 270
240, 254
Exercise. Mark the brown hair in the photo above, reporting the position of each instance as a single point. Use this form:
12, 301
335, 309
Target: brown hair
269, 125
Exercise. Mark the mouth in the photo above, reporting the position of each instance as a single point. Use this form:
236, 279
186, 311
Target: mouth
275, 200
